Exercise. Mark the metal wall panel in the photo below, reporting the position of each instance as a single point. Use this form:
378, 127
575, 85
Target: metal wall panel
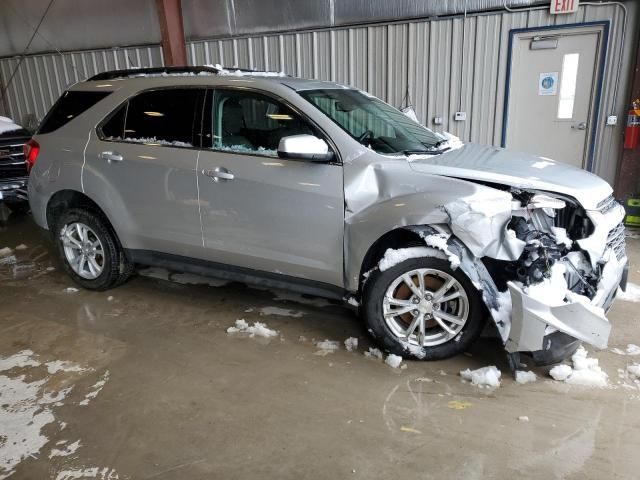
426, 58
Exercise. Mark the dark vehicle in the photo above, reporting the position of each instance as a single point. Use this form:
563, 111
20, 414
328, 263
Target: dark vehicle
13, 167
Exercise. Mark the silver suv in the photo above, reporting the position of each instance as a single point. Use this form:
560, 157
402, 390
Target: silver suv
309, 185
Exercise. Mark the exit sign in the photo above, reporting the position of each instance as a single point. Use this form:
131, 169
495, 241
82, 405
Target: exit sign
564, 6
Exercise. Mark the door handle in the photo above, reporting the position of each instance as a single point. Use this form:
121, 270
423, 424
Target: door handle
111, 156
219, 174
580, 126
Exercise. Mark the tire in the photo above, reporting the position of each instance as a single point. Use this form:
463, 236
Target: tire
384, 289
108, 254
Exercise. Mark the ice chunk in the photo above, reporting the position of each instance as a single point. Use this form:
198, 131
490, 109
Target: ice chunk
634, 370
394, 257
523, 418
631, 294
328, 345
257, 329
560, 372
483, 377
373, 353
351, 344
393, 361
630, 350
523, 377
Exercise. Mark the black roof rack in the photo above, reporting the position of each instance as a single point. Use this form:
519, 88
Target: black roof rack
132, 72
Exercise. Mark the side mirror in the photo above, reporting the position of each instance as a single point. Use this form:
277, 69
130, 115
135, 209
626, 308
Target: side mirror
304, 147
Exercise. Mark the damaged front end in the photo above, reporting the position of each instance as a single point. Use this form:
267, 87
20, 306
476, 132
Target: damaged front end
555, 266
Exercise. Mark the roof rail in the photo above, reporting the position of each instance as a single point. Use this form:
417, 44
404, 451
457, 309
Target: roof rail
133, 72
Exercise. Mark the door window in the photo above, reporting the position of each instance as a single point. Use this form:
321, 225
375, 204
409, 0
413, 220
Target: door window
249, 122
568, 84
159, 117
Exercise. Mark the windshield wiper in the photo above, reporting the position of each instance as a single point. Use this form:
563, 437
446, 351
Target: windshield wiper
435, 151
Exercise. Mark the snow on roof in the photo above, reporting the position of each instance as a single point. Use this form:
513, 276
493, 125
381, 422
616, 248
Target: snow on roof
245, 73
8, 125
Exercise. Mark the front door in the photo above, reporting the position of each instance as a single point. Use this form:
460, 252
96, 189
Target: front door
259, 211
552, 90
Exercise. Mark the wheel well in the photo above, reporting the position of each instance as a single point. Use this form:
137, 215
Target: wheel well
63, 200
398, 238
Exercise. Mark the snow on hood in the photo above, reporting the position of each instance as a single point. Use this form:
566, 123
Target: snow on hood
516, 169
8, 125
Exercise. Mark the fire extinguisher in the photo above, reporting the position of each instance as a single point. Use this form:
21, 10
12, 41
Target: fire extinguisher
632, 132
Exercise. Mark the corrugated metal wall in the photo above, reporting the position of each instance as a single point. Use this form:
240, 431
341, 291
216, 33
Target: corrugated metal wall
427, 58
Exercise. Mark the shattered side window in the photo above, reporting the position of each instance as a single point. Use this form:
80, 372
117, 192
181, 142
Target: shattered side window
249, 122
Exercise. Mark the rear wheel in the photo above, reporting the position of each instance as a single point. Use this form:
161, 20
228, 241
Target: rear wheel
422, 308
90, 251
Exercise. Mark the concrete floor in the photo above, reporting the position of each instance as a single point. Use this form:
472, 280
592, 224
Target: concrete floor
182, 399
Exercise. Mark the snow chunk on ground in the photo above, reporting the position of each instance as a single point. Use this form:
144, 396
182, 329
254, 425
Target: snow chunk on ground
330, 345
5, 252
394, 257
66, 450
71, 290
18, 360
523, 377
351, 344
257, 329
283, 312
483, 377
393, 361
632, 294
560, 372
439, 241
22, 246
585, 371
373, 353
95, 389
63, 366
523, 418
634, 370
99, 473
630, 350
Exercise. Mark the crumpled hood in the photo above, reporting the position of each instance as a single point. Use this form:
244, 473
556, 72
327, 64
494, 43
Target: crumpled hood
516, 169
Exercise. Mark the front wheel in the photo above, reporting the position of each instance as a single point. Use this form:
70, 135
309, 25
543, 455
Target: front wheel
424, 309
90, 251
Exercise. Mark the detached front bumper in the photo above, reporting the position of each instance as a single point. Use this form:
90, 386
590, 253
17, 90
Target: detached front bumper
551, 332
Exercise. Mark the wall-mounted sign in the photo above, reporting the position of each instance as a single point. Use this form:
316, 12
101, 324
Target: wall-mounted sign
548, 83
564, 6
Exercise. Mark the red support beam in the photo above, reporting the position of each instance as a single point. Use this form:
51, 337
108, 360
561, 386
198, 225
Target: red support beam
171, 26
628, 175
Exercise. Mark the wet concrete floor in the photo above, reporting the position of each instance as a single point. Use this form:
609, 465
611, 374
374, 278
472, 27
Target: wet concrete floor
143, 382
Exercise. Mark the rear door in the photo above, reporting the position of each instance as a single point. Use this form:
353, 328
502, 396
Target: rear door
263, 212
140, 167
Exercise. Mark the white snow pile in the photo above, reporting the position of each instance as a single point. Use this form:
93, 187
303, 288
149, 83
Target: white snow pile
99, 473
351, 344
439, 241
561, 236
393, 257
8, 125
551, 291
634, 370
483, 377
329, 345
631, 294
66, 450
5, 252
523, 377
282, 312
239, 73
630, 350
95, 389
502, 314
585, 372
257, 329
373, 353
393, 361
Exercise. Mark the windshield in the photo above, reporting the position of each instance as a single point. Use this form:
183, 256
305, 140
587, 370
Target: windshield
373, 123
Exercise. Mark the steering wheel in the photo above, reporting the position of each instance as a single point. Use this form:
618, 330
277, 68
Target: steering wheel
366, 134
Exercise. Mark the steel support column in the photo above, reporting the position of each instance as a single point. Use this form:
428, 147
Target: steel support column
628, 174
171, 26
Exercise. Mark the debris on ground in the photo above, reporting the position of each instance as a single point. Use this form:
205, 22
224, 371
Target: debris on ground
523, 418
393, 361
71, 290
459, 405
630, 350
257, 329
523, 377
283, 312
351, 344
585, 371
483, 377
631, 293
373, 353
330, 345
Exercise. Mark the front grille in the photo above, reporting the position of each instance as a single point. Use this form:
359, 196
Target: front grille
607, 204
12, 162
615, 241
